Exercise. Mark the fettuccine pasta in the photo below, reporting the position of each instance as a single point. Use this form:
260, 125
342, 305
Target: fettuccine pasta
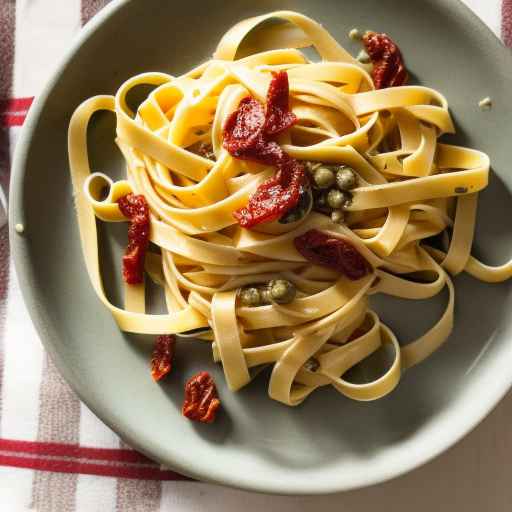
410, 188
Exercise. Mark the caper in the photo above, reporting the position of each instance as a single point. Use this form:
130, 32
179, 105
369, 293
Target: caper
312, 364
363, 57
324, 177
282, 291
266, 297
250, 297
337, 216
346, 178
337, 198
355, 35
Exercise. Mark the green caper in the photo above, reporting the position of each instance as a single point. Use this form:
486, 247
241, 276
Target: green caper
363, 57
312, 364
282, 291
266, 297
250, 297
336, 198
324, 177
337, 216
346, 178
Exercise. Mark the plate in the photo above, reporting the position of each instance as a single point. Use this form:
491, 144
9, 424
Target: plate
329, 443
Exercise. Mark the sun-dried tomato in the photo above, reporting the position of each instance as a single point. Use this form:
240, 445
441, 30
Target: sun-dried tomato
201, 400
249, 134
388, 64
274, 197
135, 208
278, 116
163, 354
243, 130
332, 252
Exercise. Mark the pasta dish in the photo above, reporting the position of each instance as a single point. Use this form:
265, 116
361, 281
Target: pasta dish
270, 196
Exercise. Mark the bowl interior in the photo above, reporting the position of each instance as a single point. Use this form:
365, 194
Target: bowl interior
329, 443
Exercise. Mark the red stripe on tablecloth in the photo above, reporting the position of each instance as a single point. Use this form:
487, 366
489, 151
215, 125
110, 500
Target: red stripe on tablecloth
73, 450
12, 105
10, 120
13, 111
87, 468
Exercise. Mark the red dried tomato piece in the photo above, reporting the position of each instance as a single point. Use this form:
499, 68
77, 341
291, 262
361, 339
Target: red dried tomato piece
248, 135
274, 197
136, 209
133, 264
388, 64
201, 400
163, 354
335, 253
243, 129
278, 116
132, 205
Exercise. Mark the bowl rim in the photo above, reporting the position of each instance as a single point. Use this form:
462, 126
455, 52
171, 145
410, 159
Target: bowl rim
451, 435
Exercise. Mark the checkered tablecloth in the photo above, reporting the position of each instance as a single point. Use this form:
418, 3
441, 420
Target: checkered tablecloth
55, 455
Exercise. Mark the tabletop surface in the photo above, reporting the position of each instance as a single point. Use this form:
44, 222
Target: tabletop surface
472, 476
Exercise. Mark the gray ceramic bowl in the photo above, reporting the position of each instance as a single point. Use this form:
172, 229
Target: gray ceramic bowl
329, 443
